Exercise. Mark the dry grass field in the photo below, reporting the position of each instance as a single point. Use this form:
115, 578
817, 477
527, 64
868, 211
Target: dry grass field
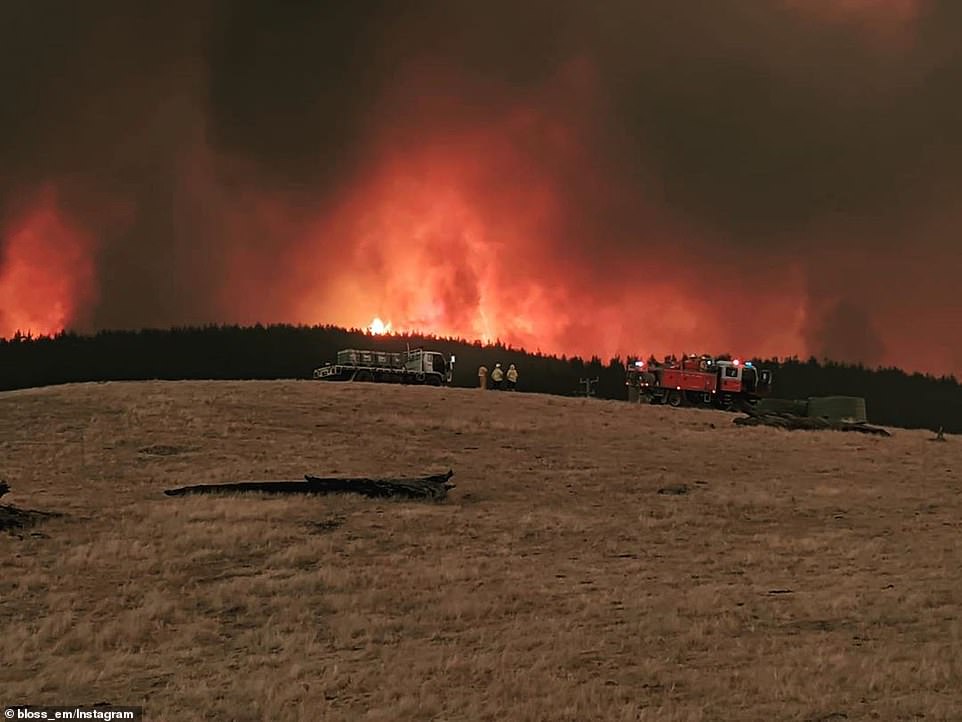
803, 576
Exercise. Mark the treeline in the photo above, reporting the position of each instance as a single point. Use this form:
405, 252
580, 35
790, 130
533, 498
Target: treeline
284, 351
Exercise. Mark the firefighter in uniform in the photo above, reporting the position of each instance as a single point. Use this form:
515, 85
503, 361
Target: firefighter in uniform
512, 377
497, 376
483, 377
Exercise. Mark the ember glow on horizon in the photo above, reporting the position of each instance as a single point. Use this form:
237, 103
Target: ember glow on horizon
741, 177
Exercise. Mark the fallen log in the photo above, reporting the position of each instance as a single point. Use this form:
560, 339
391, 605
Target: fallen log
806, 423
425, 487
13, 518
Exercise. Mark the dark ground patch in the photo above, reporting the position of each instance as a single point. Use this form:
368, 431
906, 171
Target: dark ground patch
327, 525
164, 450
12, 518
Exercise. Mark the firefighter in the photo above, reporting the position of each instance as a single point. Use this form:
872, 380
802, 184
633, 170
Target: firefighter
483, 377
497, 376
512, 377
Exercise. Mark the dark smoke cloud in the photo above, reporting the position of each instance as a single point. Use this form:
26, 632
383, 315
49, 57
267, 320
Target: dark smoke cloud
847, 333
743, 151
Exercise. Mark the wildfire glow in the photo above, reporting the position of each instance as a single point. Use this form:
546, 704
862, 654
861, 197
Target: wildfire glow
566, 193
46, 271
475, 238
378, 327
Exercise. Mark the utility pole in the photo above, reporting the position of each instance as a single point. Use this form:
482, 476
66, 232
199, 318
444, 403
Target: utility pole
589, 386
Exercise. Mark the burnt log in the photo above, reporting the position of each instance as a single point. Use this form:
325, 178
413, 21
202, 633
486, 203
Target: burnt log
12, 518
806, 423
424, 487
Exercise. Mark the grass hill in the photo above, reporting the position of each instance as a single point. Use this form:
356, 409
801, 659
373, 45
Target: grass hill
800, 576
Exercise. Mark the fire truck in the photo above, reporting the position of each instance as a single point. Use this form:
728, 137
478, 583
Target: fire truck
698, 381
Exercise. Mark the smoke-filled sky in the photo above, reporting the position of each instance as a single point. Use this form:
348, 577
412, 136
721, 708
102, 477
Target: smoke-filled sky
760, 177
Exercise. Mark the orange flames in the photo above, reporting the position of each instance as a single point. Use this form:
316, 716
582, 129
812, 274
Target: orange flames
514, 231
46, 271
527, 194
431, 246
378, 327
510, 230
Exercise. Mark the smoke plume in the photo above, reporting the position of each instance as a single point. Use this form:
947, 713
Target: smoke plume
764, 178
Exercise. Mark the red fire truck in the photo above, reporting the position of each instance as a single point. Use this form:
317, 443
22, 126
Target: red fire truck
698, 381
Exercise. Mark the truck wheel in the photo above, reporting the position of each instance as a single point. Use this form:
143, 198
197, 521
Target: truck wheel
674, 398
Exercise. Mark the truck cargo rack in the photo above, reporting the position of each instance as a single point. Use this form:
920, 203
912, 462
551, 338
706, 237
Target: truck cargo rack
344, 370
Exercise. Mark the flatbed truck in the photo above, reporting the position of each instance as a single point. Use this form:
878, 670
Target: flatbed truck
413, 366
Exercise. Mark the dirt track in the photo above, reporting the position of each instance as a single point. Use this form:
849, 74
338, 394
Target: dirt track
801, 575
